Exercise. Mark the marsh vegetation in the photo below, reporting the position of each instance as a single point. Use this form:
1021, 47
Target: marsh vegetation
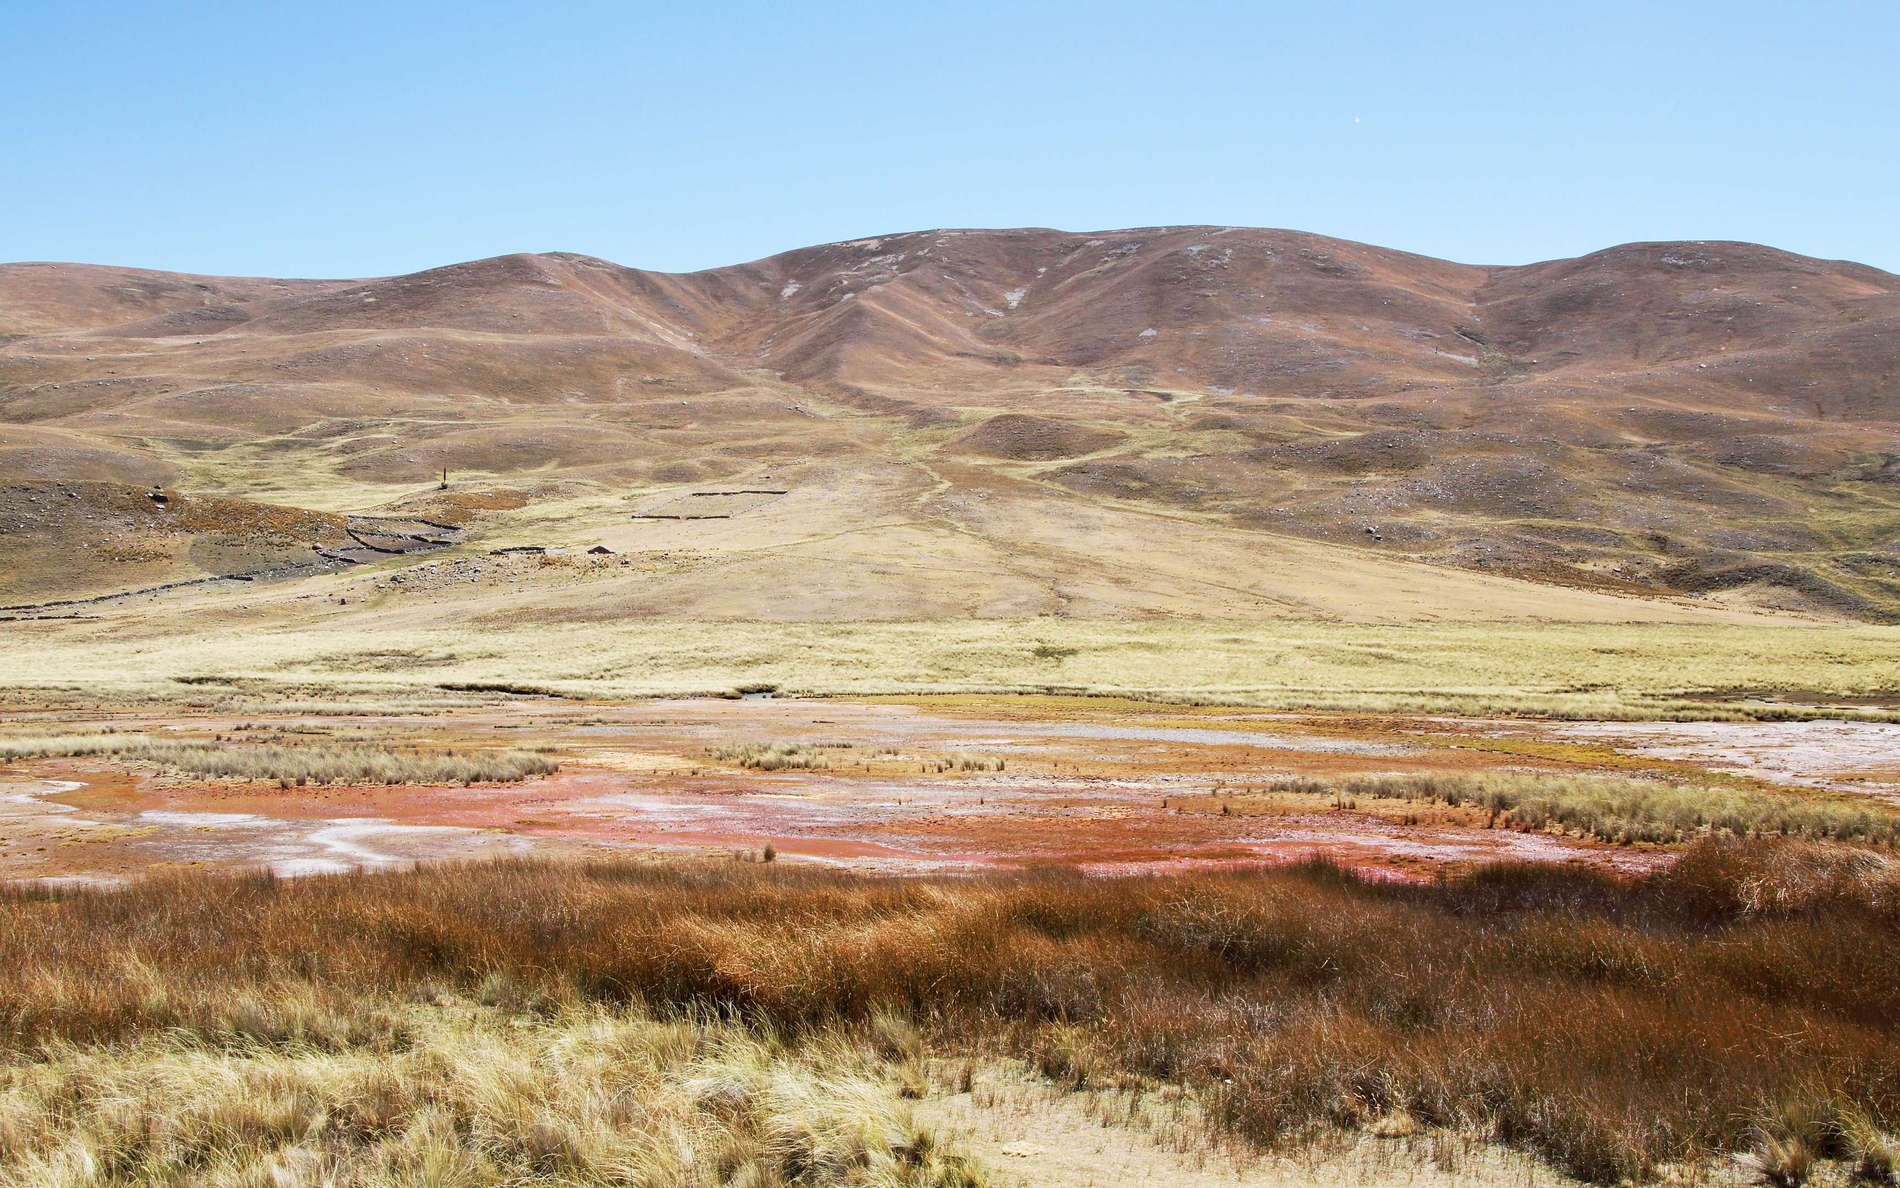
777, 756
1619, 809
320, 760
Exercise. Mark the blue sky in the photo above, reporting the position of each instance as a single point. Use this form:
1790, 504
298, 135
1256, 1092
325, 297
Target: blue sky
349, 139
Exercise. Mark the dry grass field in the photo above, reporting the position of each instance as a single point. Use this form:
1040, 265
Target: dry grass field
1587, 671
660, 1025
1528, 958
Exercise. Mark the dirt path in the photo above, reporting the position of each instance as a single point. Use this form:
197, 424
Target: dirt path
1030, 1136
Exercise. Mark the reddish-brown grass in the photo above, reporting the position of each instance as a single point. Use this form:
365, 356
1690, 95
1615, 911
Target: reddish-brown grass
1610, 1024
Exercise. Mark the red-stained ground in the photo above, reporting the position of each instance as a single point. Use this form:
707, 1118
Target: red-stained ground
1100, 786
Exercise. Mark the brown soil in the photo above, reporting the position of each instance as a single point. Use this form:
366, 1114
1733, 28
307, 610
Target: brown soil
1023, 437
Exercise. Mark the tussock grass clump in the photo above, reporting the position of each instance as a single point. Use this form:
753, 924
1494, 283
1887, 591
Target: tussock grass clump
942, 763
1875, 1152
777, 756
1610, 1023
320, 762
1627, 810
581, 1095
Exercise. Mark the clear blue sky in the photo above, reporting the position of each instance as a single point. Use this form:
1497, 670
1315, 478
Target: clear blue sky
349, 139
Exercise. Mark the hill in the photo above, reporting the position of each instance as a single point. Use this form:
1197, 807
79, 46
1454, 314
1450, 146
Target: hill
1181, 420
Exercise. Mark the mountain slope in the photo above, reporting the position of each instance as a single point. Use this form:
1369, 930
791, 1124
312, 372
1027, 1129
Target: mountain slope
1715, 420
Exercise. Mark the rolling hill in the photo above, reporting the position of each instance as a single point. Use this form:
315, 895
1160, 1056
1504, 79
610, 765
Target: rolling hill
1182, 421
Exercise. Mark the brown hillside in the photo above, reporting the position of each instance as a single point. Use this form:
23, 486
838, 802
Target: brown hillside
1720, 420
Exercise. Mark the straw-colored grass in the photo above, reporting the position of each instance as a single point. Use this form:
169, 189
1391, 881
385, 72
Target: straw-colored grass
966, 762
1585, 671
775, 756
1618, 809
323, 761
470, 1096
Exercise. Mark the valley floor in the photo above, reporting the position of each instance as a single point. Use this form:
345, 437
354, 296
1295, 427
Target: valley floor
949, 784
359, 926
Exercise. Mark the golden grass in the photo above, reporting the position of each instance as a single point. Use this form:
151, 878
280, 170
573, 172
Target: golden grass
472, 1096
1616, 809
965, 762
1601, 672
325, 761
778, 756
